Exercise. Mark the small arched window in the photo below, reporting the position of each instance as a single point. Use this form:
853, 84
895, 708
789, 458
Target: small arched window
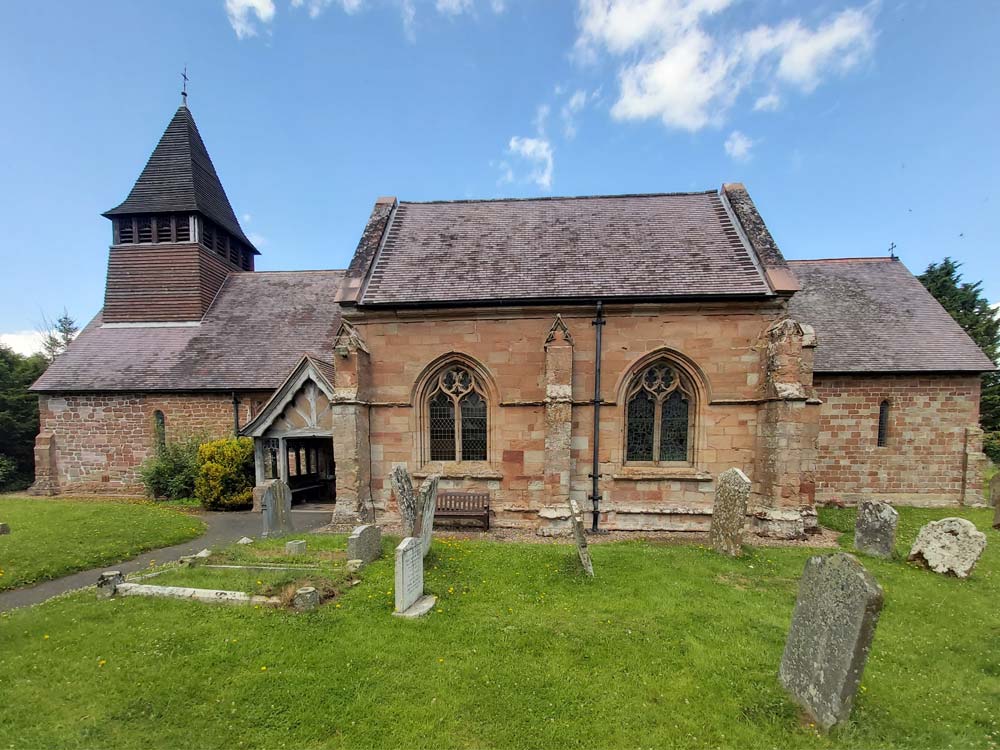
883, 424
159, 429
658, 416
456, 416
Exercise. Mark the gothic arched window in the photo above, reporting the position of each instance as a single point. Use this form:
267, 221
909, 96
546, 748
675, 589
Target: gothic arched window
658, 416
456, 416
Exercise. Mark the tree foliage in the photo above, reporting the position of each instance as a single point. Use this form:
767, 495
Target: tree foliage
225, 474
970, 308
18, 416
170, 473
58, 335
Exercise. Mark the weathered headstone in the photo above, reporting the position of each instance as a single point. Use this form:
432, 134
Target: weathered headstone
580, 536
426, 507
296, 547
951, 545
4, 529
833, 625
406, 499
364, 544
306, 599
108, 583
875, 528
729, 514
410, 598
276, 508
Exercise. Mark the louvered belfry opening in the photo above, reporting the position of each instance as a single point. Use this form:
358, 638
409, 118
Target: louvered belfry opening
175, 237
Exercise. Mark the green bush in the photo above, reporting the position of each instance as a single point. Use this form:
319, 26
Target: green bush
991, 446
170, 474
225, 474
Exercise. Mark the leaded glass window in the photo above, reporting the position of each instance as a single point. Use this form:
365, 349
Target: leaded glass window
457, 416
657, 416
883, 424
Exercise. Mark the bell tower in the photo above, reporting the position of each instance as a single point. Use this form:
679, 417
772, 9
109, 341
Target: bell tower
175, 237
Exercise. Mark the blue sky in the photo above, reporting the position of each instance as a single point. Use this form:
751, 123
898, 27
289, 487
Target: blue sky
853, 125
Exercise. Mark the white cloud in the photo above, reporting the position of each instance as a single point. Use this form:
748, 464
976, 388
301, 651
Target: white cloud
244, 15
247, 218
767, 103
573, 106
738, 146
257, 239
453, 7
538, 153
676, 70
316, 7
23, 342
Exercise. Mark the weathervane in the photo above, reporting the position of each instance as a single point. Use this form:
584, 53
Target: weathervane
184, 90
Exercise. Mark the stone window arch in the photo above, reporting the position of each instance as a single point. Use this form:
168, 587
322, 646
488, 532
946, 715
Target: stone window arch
659, 416
456, 405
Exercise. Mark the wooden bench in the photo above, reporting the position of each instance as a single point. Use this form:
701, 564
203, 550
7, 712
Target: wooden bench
461, 505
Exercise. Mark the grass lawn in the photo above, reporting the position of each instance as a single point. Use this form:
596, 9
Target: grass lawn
50, 538
669, 647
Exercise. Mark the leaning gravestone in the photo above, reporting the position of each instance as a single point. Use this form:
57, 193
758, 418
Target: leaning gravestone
875, 528
364, 544
410, 598
426, 506
406, 498
729, 514
951, 545
832, 629
576, 519
276, 508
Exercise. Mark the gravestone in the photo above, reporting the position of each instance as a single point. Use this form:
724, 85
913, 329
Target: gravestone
950, 546
4, 529
729, 514
364, 544
276, 509
580, 537
108, 583
875, 528
833, 625
297, 547
306, 599
406, 499
426, 507
410, 598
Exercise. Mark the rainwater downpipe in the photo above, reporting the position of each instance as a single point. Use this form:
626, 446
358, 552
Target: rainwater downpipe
595, 497
236, 415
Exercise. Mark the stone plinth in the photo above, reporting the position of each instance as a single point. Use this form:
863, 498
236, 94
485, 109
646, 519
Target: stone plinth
306, 599
832, 629
297, 547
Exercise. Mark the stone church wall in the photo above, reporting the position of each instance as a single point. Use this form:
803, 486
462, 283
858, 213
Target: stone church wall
933, 452
94, 443
720, 347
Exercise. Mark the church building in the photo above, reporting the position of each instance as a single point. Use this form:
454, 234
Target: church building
623, 350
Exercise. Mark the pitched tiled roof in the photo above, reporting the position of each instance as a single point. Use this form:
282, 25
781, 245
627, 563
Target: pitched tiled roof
627, 246
257, 329
180, 176
873, 315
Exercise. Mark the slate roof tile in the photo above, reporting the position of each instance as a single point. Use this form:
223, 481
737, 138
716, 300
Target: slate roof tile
256, 331
626, 246
873, 315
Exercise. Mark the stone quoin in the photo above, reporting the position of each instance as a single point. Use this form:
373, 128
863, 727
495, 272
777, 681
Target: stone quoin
461, 342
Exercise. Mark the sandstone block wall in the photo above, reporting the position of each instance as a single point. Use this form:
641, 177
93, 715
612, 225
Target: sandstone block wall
94, 443
933, 451
717, 347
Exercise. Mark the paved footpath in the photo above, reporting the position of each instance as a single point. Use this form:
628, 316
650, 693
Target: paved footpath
223, 528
